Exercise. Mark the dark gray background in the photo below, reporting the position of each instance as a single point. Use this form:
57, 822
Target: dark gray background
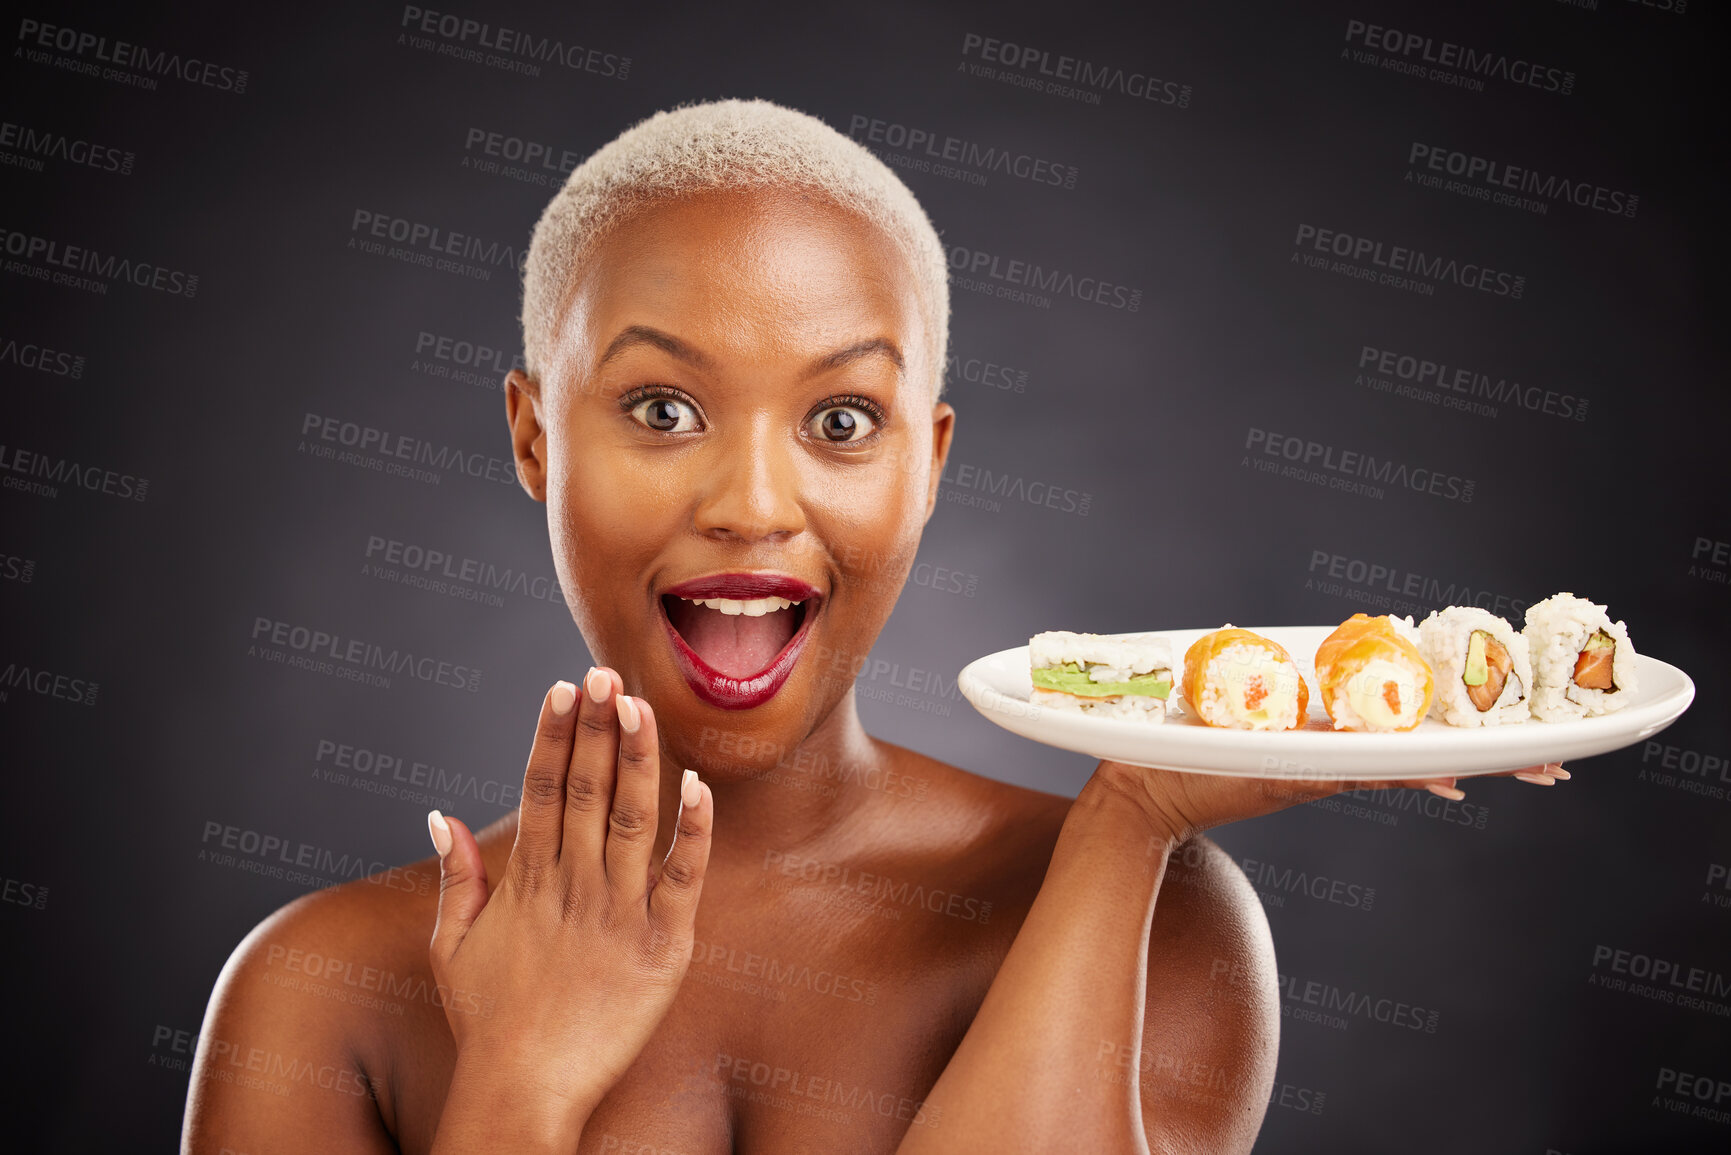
1488, 913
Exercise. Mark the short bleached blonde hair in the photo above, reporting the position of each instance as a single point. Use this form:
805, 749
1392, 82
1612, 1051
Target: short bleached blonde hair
725, 144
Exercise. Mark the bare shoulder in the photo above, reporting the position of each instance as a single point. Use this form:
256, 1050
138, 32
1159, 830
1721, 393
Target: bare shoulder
1211, 1031
984, 827
1210, 1037
305, 1014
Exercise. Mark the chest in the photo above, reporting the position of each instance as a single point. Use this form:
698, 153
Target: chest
780, 1043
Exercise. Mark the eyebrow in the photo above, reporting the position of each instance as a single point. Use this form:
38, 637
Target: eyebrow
633, 335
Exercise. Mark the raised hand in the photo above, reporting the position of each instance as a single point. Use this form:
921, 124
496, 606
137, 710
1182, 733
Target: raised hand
573, 959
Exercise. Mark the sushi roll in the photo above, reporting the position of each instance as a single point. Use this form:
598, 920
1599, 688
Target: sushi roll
1114, 676
1372, 677
1238, 680
1583, 663
1484, 676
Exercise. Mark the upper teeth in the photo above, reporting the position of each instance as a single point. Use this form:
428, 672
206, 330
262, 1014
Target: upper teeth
754, 608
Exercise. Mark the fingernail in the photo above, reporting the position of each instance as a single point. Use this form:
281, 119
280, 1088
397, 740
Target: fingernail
690, 793
1555, 770
441, 832
563, 697
1448, 792
1537, 779
628, 719
597, 684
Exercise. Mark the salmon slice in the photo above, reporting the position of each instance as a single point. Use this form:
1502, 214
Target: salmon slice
1593, 668
1497, 667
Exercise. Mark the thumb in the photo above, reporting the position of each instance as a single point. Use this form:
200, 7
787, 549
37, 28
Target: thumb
462, 883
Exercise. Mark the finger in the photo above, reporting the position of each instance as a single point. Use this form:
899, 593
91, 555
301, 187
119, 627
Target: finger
636, 801
540, 815
673, 902
462, 883
593, 766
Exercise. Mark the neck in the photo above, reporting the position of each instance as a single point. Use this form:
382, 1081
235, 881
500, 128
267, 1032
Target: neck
809, 793
810, 790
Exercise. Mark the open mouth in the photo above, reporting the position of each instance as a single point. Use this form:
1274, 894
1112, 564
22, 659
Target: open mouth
737, 636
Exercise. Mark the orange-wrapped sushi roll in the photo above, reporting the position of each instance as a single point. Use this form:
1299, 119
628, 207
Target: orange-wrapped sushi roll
1238, 680
1372, 678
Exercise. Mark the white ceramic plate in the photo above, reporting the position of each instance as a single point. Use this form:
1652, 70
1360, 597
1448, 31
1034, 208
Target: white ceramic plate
998, 686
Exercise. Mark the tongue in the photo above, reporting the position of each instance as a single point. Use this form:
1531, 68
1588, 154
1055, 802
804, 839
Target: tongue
732, 644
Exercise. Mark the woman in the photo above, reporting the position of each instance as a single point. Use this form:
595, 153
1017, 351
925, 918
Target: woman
735, 322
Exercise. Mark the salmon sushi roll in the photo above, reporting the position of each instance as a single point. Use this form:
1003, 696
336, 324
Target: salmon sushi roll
1239, 680
1372, 677
1583, 662
1484, 676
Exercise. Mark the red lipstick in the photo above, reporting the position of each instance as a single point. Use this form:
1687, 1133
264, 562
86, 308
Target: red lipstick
742, 693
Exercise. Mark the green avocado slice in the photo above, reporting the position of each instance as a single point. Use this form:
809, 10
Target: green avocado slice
1070, 678
1476, 671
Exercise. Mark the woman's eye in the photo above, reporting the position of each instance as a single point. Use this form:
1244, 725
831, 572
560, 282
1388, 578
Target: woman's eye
842, 423
666, 415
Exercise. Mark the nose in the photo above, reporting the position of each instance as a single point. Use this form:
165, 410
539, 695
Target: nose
752, 489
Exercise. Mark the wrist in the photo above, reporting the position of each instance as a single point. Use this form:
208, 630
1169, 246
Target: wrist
507, 1101
1129, 794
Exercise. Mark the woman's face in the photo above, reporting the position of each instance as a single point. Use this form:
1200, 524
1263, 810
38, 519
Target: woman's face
737, 414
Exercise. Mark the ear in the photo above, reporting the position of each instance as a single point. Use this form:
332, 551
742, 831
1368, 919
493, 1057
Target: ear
943, 427
528, 439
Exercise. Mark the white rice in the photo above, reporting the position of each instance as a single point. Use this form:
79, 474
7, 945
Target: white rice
1236, 663
1106, 658
1556, 630
1444, 638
